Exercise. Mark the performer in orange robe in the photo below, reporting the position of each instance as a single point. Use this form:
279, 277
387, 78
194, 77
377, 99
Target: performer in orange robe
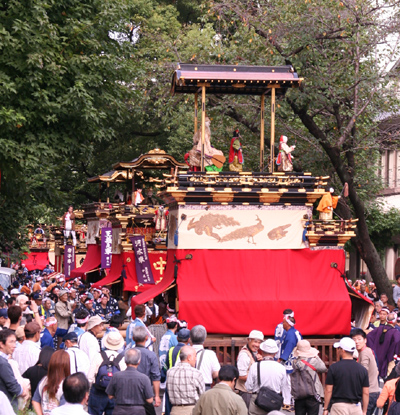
326, 205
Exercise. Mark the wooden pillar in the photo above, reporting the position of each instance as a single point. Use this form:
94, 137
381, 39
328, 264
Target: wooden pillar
203, 124
99, 192
133, 184
262, 134
272, 128
196, 106
108, 192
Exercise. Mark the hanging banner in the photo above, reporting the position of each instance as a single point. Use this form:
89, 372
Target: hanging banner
142, 262
106, 247
237, 227
69, 260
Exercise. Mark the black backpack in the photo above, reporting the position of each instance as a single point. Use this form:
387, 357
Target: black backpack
107, 369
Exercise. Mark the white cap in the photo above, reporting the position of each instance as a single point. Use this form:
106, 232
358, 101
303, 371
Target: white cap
256, 335
346, 344
14, 291
269, 346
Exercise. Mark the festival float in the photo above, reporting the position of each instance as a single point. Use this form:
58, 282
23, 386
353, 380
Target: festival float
240, 246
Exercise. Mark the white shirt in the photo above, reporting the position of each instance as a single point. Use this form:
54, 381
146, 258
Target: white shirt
89, 344
272, 375
69, 409
209, 363
27, 355
79, 361
5, 405
243, 362
68, 222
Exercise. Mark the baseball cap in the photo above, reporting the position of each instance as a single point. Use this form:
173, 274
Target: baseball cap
32, 328
71, 336
183, 334
3, 312
37, 296
346, 344
14, 291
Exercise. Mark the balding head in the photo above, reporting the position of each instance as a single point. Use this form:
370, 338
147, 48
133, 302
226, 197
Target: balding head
132, 357
188, 355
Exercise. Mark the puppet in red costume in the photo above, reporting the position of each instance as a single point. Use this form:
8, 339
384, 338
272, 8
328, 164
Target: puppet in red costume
235, 153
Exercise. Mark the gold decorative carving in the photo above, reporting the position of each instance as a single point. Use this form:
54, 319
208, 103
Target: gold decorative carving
271, 197
222, 196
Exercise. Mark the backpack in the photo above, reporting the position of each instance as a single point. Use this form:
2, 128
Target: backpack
303, 382
107, 369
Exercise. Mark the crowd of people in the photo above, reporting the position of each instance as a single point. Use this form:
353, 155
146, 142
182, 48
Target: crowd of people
69, 348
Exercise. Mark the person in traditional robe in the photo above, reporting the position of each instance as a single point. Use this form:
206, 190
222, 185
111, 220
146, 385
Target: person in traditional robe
385, 342
69, 225
209, 150
138, 197
284, 159
327, 204
235, 153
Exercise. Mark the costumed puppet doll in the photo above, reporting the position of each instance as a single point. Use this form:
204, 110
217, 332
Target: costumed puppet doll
160, 219
235, 153
284, 159
213, 158
69, 225
138, 197
327, 204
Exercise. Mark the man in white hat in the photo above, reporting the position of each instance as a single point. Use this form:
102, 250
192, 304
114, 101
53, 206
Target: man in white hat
272, 375
305, 368
346, 385
247, 356
99, 401
88, 341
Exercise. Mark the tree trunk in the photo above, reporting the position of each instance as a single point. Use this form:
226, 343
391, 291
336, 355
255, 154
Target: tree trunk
345, 172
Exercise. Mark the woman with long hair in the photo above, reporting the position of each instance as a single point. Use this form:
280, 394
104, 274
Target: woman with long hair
48, 394
36, 373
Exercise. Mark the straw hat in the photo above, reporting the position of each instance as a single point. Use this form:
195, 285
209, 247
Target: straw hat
113, 340
304, 349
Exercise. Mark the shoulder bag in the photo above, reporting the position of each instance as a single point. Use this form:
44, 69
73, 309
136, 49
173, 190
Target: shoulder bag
267, 399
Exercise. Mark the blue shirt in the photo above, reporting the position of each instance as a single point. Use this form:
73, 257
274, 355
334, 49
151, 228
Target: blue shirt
289, 343
129, 331
79, 330
46, 339
167, 341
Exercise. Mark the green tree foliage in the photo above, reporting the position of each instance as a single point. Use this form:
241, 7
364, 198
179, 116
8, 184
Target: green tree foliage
75, 99
67, 88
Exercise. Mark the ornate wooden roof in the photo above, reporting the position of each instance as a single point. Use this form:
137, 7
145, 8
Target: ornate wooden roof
154, 159
234, 79
112, 176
